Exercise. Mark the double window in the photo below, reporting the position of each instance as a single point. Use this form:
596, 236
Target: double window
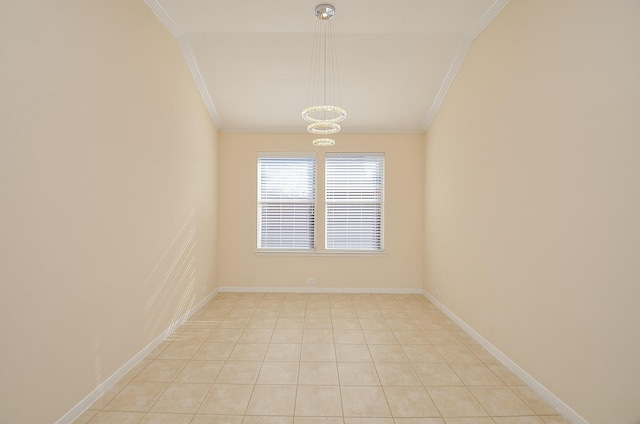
353, 202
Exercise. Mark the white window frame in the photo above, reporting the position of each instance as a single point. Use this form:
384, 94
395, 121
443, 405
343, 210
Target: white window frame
374, 200
263, 201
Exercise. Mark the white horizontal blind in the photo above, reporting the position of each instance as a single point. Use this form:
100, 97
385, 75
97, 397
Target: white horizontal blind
354, 201
286, 202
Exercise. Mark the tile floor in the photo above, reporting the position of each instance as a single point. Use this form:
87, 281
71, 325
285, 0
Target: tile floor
275, 358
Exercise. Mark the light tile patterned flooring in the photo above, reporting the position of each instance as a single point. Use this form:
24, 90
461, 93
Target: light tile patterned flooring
276, 358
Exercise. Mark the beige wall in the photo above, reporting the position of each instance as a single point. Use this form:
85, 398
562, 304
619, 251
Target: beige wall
399, 268
532, 198
107, 170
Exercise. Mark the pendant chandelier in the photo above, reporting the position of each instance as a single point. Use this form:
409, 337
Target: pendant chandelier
324, 116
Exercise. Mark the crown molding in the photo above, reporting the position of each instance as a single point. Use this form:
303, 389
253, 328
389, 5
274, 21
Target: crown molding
185, 46
461, 54
455, 66
164, 17
490, 14
192, 63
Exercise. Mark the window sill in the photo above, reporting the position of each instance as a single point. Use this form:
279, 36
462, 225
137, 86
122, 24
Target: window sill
319, 253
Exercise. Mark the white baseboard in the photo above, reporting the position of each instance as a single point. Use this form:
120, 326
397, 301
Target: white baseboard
542, 391
85, 403
316, 290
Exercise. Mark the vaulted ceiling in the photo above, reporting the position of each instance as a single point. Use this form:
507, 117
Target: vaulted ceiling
251, 60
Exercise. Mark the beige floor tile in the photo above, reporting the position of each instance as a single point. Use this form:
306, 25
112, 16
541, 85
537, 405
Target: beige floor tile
267, 420
397, 374
262, 321
456, 353
456, 402
373, 323
256, 335
114, 417
239, 372
465, 338
214, 352
352, 420
272, 400
364, 401
368, 312
283, 352
410, 402
518, 420
318, 352
278, 373
507, 376
108, 395
292, 312
180, 350
248, 352
422, 353
344, 313
137, 396
85, 417
387, 353
317, 336
318, 322
535, 402
162, 370
345, 323
348, 336
358, 374
436, 374
286, 335
318, 401
159, 418
500, 401
420, 421
353, 353
318, 374
137, 369
233, 322
483, 354
200, 372
217, 419
181, 398
225, 335
379, 337
226, 399
475, 374
401, 323
442, 338
428, 324
410, 337
318, 420
473, 420
290, 323
555, 419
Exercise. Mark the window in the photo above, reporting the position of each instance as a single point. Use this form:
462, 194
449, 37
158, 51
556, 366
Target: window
354, 201
286, 202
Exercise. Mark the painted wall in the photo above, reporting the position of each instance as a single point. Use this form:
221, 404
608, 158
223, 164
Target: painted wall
108, 194
399, 268
533, 202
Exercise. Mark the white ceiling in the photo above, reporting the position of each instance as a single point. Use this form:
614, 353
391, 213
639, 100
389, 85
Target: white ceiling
251, 60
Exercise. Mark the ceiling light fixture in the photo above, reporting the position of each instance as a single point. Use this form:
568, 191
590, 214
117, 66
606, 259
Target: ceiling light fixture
324, 90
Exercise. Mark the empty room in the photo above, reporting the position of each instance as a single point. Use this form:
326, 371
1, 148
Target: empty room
354, 212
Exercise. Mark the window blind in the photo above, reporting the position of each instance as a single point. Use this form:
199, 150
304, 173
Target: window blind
286, 202
354, 201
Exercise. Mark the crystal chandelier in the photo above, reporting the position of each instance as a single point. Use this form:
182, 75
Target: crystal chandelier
324, 118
